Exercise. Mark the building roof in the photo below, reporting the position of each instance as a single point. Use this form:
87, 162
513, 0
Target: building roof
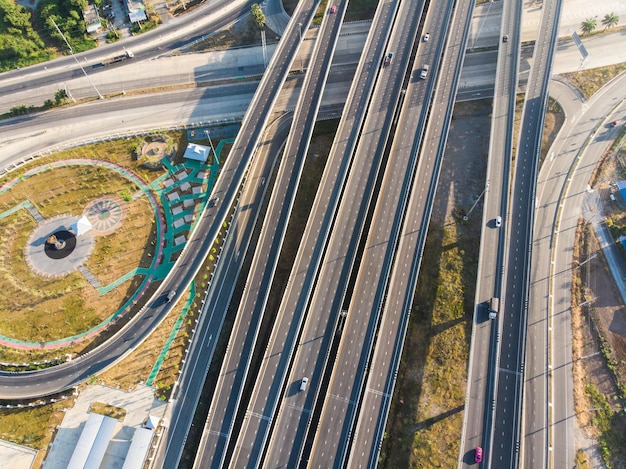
93, 442
136, 10
139, 447
136, 16
197, 152
621, 185
92, 19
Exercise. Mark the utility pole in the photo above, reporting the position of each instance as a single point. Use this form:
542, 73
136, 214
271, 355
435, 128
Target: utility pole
466, 217
67, 92
79, 64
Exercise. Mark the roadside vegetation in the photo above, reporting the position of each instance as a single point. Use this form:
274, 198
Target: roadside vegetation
599, 354
424, 427
426, 415
241, 34
20, 43
28, 37
357, 9
590, 81
63, 25
33, 427
108, 410
60, 98
589, 25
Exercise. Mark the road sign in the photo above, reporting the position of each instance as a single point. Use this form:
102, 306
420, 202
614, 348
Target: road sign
580, 45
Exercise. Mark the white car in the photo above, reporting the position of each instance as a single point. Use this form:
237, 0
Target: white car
426, 37
424, 72
498, 221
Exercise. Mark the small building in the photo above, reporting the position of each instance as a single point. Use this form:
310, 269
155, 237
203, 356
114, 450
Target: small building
197, 152
136, 11
92, 19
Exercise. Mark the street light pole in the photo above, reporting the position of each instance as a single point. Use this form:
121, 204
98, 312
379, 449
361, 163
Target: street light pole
79, 64
212, 147
300, 48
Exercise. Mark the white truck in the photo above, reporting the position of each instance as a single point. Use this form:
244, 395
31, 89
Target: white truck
494, 304
113, 60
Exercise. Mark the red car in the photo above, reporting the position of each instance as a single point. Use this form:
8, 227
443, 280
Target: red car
613, 124
333, 9
478, 455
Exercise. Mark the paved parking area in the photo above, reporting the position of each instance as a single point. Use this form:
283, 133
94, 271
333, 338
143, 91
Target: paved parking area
139, 404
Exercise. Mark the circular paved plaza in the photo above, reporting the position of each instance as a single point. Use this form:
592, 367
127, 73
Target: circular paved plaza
49, 261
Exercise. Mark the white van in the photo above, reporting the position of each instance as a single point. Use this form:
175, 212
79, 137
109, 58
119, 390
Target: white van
303, 383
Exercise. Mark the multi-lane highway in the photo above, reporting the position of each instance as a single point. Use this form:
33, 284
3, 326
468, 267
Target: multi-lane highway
276, 362
326, 304
478, 417
507, 428
279, 417
235, 366
236, 167
342, 399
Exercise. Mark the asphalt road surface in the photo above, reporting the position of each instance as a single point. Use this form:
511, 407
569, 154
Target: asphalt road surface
236, 363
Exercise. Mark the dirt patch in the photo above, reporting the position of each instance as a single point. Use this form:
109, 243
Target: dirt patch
462, 178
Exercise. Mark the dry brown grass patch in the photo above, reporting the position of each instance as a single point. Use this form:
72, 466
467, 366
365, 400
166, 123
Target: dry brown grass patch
107, 410
590, 81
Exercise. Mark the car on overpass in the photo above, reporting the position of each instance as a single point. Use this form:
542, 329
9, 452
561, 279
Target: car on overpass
303, 383
478, 454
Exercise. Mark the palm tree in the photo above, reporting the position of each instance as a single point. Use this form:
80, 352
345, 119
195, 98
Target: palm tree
588, 26
610, 20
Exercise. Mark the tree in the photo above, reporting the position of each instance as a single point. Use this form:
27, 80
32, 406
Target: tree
60, 96
588, 26
257, 15
610, 20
